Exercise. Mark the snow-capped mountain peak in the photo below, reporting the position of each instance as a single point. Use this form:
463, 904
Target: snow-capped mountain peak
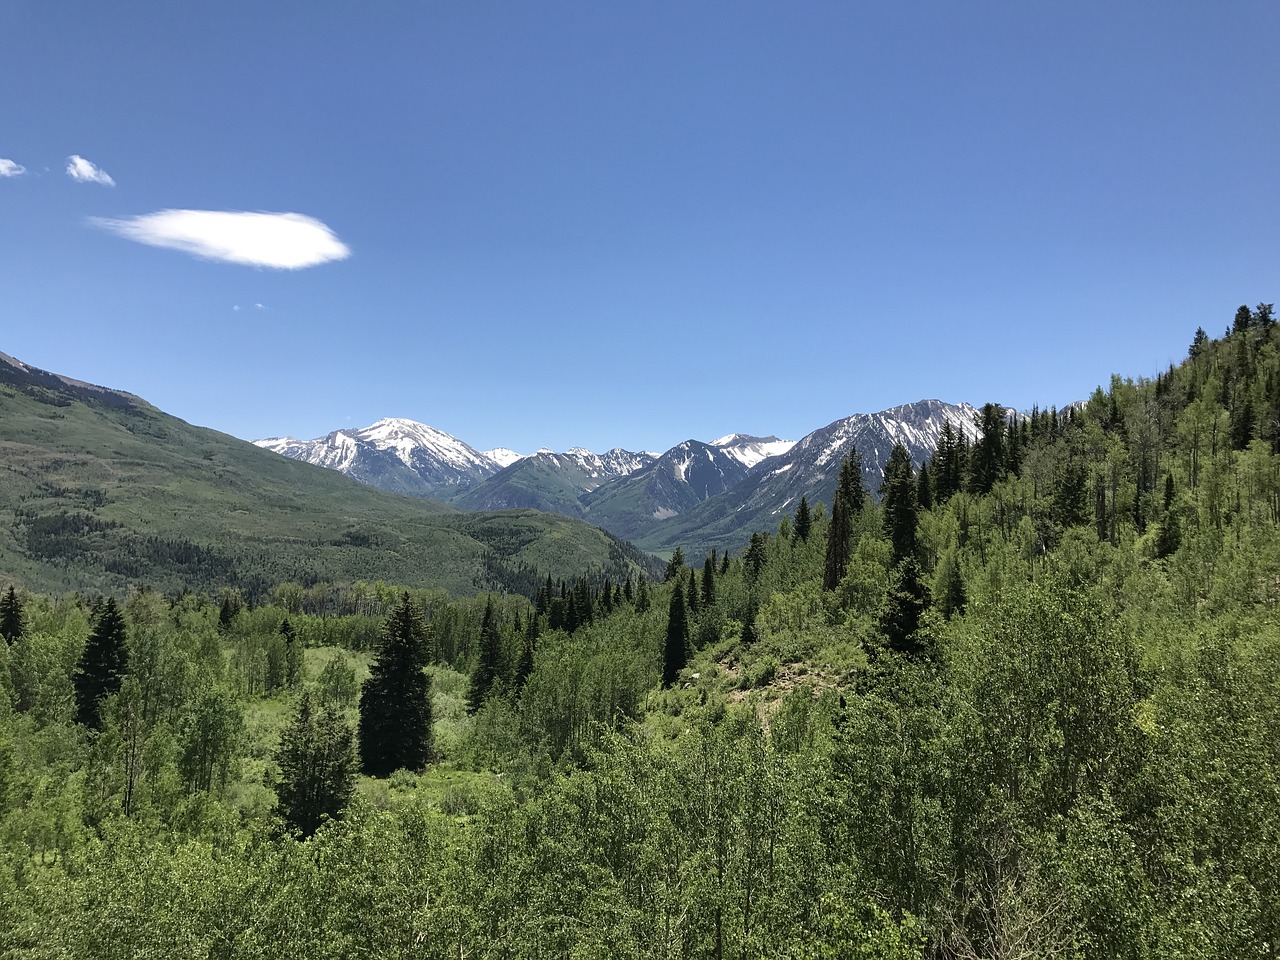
749, 450
503, 457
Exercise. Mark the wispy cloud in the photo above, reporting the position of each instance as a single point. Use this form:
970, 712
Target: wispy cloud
282, 241
10, 169
78, 168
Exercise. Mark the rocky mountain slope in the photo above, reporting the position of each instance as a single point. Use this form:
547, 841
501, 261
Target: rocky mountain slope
809, 468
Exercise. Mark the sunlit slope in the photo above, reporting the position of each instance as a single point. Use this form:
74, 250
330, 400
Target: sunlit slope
98, 490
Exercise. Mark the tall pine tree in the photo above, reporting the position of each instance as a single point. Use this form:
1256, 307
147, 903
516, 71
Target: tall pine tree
899, 502
395, 702
489, 669
317, 760
804, 520
102, 665
675, 653
848, 502
13, 621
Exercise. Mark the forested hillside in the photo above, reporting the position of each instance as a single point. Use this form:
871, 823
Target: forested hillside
1026, 704
100, 490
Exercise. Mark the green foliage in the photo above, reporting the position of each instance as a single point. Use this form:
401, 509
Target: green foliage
1070, 753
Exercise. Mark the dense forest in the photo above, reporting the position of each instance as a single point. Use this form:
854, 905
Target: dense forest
1021, 701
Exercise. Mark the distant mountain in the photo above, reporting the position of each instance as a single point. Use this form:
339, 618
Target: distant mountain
673, 484
395, 454
809, 468
552, 481
695, 494
99, 491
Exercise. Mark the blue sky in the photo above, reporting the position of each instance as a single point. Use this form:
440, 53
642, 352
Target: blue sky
598, 224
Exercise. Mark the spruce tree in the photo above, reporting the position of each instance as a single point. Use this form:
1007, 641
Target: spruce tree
850, 497
489, 666
749, 635
694, 604
924, 490
899, 502
13, 620
849, 485
753, 559
804, 520
395, 702
524, 669
905, 604
838, 535
675, 566
724, 563
102, 665
317, 768
642, 594
675, 653
293, 654
709, 581
987, 464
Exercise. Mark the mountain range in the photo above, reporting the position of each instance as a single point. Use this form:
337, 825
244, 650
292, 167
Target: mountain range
696, 495
100, 490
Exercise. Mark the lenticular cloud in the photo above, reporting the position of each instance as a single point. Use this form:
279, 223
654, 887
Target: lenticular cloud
281, 241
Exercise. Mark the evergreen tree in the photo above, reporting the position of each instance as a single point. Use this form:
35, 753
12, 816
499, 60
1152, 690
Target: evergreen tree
524, 669
675, 566
804, 520
948, 466
950, 592
987, 464
753, 559
724, 563
1242, 423
848, 502
675, 653
489, 665
228, 607
102, 665
709, 581
293, 653
839, 532
13, 620
898, 497
395, 702
905, 605
642, 594
924, 489
693, 591
317, 768
850, 485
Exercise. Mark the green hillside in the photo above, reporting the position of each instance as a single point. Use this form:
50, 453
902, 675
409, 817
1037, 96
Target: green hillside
99, 490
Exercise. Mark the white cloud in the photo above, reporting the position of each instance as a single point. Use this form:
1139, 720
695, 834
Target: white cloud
259, 306
78, 168
10, 169
283, 241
